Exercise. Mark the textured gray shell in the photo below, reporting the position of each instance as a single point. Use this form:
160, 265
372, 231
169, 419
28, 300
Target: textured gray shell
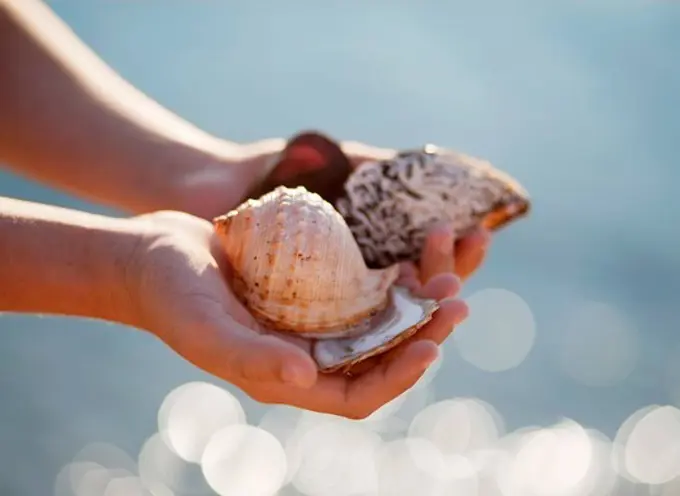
390, 205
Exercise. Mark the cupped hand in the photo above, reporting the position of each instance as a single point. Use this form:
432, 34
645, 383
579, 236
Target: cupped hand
440, 254
221, 184
178, 280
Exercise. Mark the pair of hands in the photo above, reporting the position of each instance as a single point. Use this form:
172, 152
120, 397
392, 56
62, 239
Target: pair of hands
177, 278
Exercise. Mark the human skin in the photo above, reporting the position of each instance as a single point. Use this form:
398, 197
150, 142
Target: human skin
69, 121
164, 273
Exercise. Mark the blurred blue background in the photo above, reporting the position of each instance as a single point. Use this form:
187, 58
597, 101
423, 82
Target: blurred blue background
580, 100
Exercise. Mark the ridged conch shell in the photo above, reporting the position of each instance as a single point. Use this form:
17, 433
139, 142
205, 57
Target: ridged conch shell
390, 205
298, 269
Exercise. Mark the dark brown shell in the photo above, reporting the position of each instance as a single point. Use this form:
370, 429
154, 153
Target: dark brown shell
312, 160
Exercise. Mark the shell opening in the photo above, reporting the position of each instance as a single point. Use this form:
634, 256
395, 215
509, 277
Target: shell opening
404, 315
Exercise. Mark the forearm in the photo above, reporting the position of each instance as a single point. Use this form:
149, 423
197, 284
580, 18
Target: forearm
59, 261
69, 120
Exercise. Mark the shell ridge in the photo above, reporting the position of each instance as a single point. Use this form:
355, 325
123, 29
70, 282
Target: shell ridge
298, 267
326, 240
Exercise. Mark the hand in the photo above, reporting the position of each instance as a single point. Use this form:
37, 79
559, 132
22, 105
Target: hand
177, 278
440, 254
221, 187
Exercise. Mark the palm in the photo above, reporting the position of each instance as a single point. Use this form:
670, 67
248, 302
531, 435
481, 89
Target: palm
197, 277
257, 160
189, 305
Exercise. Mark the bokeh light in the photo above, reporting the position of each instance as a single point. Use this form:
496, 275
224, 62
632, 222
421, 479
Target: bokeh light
499, 332
411, 466
550, 461
126, 486
163, 472
457, 426
651, 445
414, 444
192, 413
337, 458
435, 448
242, 459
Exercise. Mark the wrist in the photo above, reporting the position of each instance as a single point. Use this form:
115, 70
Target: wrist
63, 262
110, 275
185, 177
210, 184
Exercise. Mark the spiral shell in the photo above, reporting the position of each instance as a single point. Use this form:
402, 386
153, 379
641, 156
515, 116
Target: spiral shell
297, 267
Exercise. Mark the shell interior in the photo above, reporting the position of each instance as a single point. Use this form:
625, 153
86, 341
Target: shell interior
403, 317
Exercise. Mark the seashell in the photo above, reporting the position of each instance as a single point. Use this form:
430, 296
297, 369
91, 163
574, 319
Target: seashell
390, 205
310, 159
298, 269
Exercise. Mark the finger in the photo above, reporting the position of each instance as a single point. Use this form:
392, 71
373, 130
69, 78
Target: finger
439, 287
267, 358
408, 276
407, 270
442, 288
360, 396
470, 252
451, 312
355, 398
370, 391
437, 256
237, 354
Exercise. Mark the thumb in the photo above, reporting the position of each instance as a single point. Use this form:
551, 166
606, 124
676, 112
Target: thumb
238, 354
267, 358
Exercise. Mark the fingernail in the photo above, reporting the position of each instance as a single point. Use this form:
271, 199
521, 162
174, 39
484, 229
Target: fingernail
296, 375
464, 313
484, 238
429, 361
